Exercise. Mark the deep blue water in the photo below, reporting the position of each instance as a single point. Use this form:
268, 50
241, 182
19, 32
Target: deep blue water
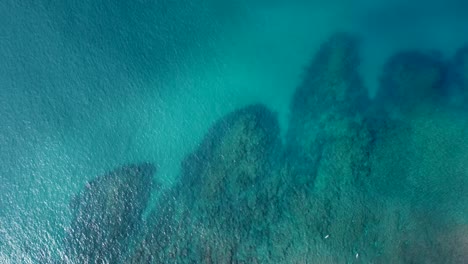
234, 131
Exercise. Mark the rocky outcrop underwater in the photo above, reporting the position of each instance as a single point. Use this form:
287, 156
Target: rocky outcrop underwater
357, 179
226, 196
107, 215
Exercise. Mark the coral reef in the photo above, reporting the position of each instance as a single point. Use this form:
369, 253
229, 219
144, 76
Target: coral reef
225, 195
374, 181
412, 80
418, 162
332, 86
107, 214
461, 66
327, 105
459, 78
331, 139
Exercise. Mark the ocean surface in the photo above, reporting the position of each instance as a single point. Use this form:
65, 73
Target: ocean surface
234, 131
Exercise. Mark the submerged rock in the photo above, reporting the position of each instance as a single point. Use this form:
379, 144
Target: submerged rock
418, 162
410, 80
414, 92
107, 214
360, 174
332, 82
355, 182
231, 184
459, 78
225, 195
235, 155
329, 143
461, 66
330, 102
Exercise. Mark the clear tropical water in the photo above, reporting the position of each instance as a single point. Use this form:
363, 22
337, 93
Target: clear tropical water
234, 131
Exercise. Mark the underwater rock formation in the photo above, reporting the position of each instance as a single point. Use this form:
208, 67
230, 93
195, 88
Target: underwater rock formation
107, 214
225, 195
459, 78
230, 174
418, 163
332, 83
330, 141
358, 180
329, 102
413, 93
461, 66
410, 79
235, 155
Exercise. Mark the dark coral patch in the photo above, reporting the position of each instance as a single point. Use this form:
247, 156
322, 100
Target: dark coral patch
329, 105
223, 197
332, 80
239, 143
107, 213
459, 78
410, 78
461, 66
227, 184
340, 191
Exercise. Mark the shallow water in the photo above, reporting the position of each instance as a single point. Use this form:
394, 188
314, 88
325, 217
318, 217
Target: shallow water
88, 88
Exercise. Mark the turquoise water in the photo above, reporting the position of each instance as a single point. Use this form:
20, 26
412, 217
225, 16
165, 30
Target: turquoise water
274, 131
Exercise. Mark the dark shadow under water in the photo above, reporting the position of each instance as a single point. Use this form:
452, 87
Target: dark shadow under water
380, 180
